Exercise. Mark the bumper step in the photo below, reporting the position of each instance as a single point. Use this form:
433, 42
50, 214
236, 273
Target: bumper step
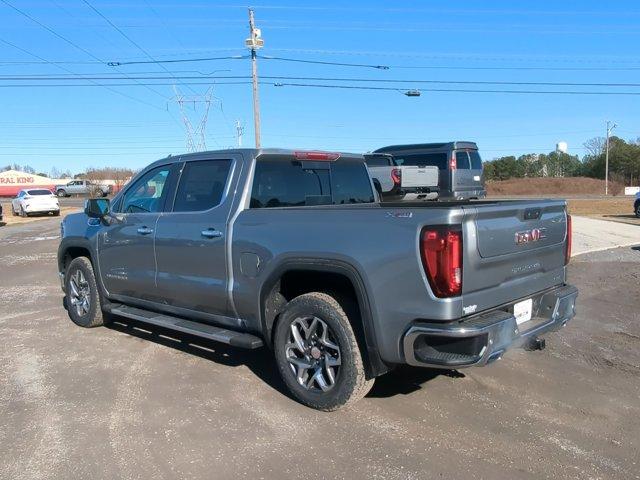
203, 330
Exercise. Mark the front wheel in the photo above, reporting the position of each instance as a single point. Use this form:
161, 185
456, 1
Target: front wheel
23, 213
317, 353
82, 295
61, 193
638, 209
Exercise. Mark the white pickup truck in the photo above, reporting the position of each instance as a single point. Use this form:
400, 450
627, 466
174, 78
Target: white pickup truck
395, 182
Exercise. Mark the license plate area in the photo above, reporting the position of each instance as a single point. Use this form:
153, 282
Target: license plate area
523, 311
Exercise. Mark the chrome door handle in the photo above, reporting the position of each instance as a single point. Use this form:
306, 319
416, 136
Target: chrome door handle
211, 233
145, 230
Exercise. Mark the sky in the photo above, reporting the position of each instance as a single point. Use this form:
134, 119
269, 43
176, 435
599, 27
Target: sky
65, 107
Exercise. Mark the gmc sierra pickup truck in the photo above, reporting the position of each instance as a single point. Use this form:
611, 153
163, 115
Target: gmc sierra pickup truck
293, 251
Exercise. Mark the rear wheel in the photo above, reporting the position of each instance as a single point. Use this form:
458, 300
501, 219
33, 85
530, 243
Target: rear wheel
56, 213
317, 353
82, 296
638, 209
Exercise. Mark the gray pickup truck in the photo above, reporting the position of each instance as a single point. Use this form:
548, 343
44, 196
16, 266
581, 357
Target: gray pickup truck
293, 251
83, 187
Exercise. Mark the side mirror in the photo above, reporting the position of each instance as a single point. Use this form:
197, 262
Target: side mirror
96, 207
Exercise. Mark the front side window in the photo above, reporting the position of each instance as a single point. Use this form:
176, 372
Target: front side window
201, 185
147, 194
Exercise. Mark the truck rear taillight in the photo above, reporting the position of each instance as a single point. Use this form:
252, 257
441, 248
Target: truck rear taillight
567, 252
396, 176
441, 250
453, 165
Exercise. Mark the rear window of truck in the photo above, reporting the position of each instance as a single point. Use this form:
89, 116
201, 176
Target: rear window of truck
439, 160
378, 161
283, 182
476, 161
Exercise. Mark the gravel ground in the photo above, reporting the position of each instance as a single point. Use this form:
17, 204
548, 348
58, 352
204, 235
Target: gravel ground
126, 402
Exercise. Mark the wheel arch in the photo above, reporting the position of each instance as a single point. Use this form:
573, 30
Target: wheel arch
273, 300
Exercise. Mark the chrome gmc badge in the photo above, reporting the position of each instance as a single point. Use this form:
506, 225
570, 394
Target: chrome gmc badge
529, 236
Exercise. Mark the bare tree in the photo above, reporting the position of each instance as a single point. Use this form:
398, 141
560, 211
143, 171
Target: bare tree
595, 146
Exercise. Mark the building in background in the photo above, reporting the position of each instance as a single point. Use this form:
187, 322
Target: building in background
12, 181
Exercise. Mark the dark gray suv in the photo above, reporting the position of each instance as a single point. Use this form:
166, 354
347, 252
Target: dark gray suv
460, 166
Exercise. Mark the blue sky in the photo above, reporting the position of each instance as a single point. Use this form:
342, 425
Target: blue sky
543, 41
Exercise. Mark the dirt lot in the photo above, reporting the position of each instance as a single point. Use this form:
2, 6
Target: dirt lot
130, 402
564, 187
584, 196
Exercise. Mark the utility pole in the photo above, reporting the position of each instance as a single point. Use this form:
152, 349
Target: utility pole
610, 127
254, 42
239, 132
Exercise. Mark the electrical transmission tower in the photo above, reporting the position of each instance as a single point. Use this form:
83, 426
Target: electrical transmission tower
194, 107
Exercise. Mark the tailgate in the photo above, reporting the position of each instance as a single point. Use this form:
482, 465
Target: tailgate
414, 176
513, 249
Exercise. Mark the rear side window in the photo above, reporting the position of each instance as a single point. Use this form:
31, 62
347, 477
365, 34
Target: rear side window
439, 160
476, 161
293, 183
201, 185
462, 160
378, 161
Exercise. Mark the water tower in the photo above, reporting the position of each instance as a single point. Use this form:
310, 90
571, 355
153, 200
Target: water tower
562, 147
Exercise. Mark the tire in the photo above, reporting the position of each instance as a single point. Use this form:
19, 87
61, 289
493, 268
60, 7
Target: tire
13, 212
637, 209
56, 213
23, 214
61, 193
332, 329
84, 304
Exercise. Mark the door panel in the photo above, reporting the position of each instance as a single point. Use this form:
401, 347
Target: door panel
190, 240
126, 247
127, 262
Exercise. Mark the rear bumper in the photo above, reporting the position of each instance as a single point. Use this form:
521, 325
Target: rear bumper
483, 338
41, 208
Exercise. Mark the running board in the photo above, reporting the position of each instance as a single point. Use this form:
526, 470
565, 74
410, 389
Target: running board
203, 330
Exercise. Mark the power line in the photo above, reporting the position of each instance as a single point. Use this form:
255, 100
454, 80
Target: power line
346, 87
119, 30
323, 79
178, 60
298, 60
50, 30
73, 44
152, 90
458, 90
92, 82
